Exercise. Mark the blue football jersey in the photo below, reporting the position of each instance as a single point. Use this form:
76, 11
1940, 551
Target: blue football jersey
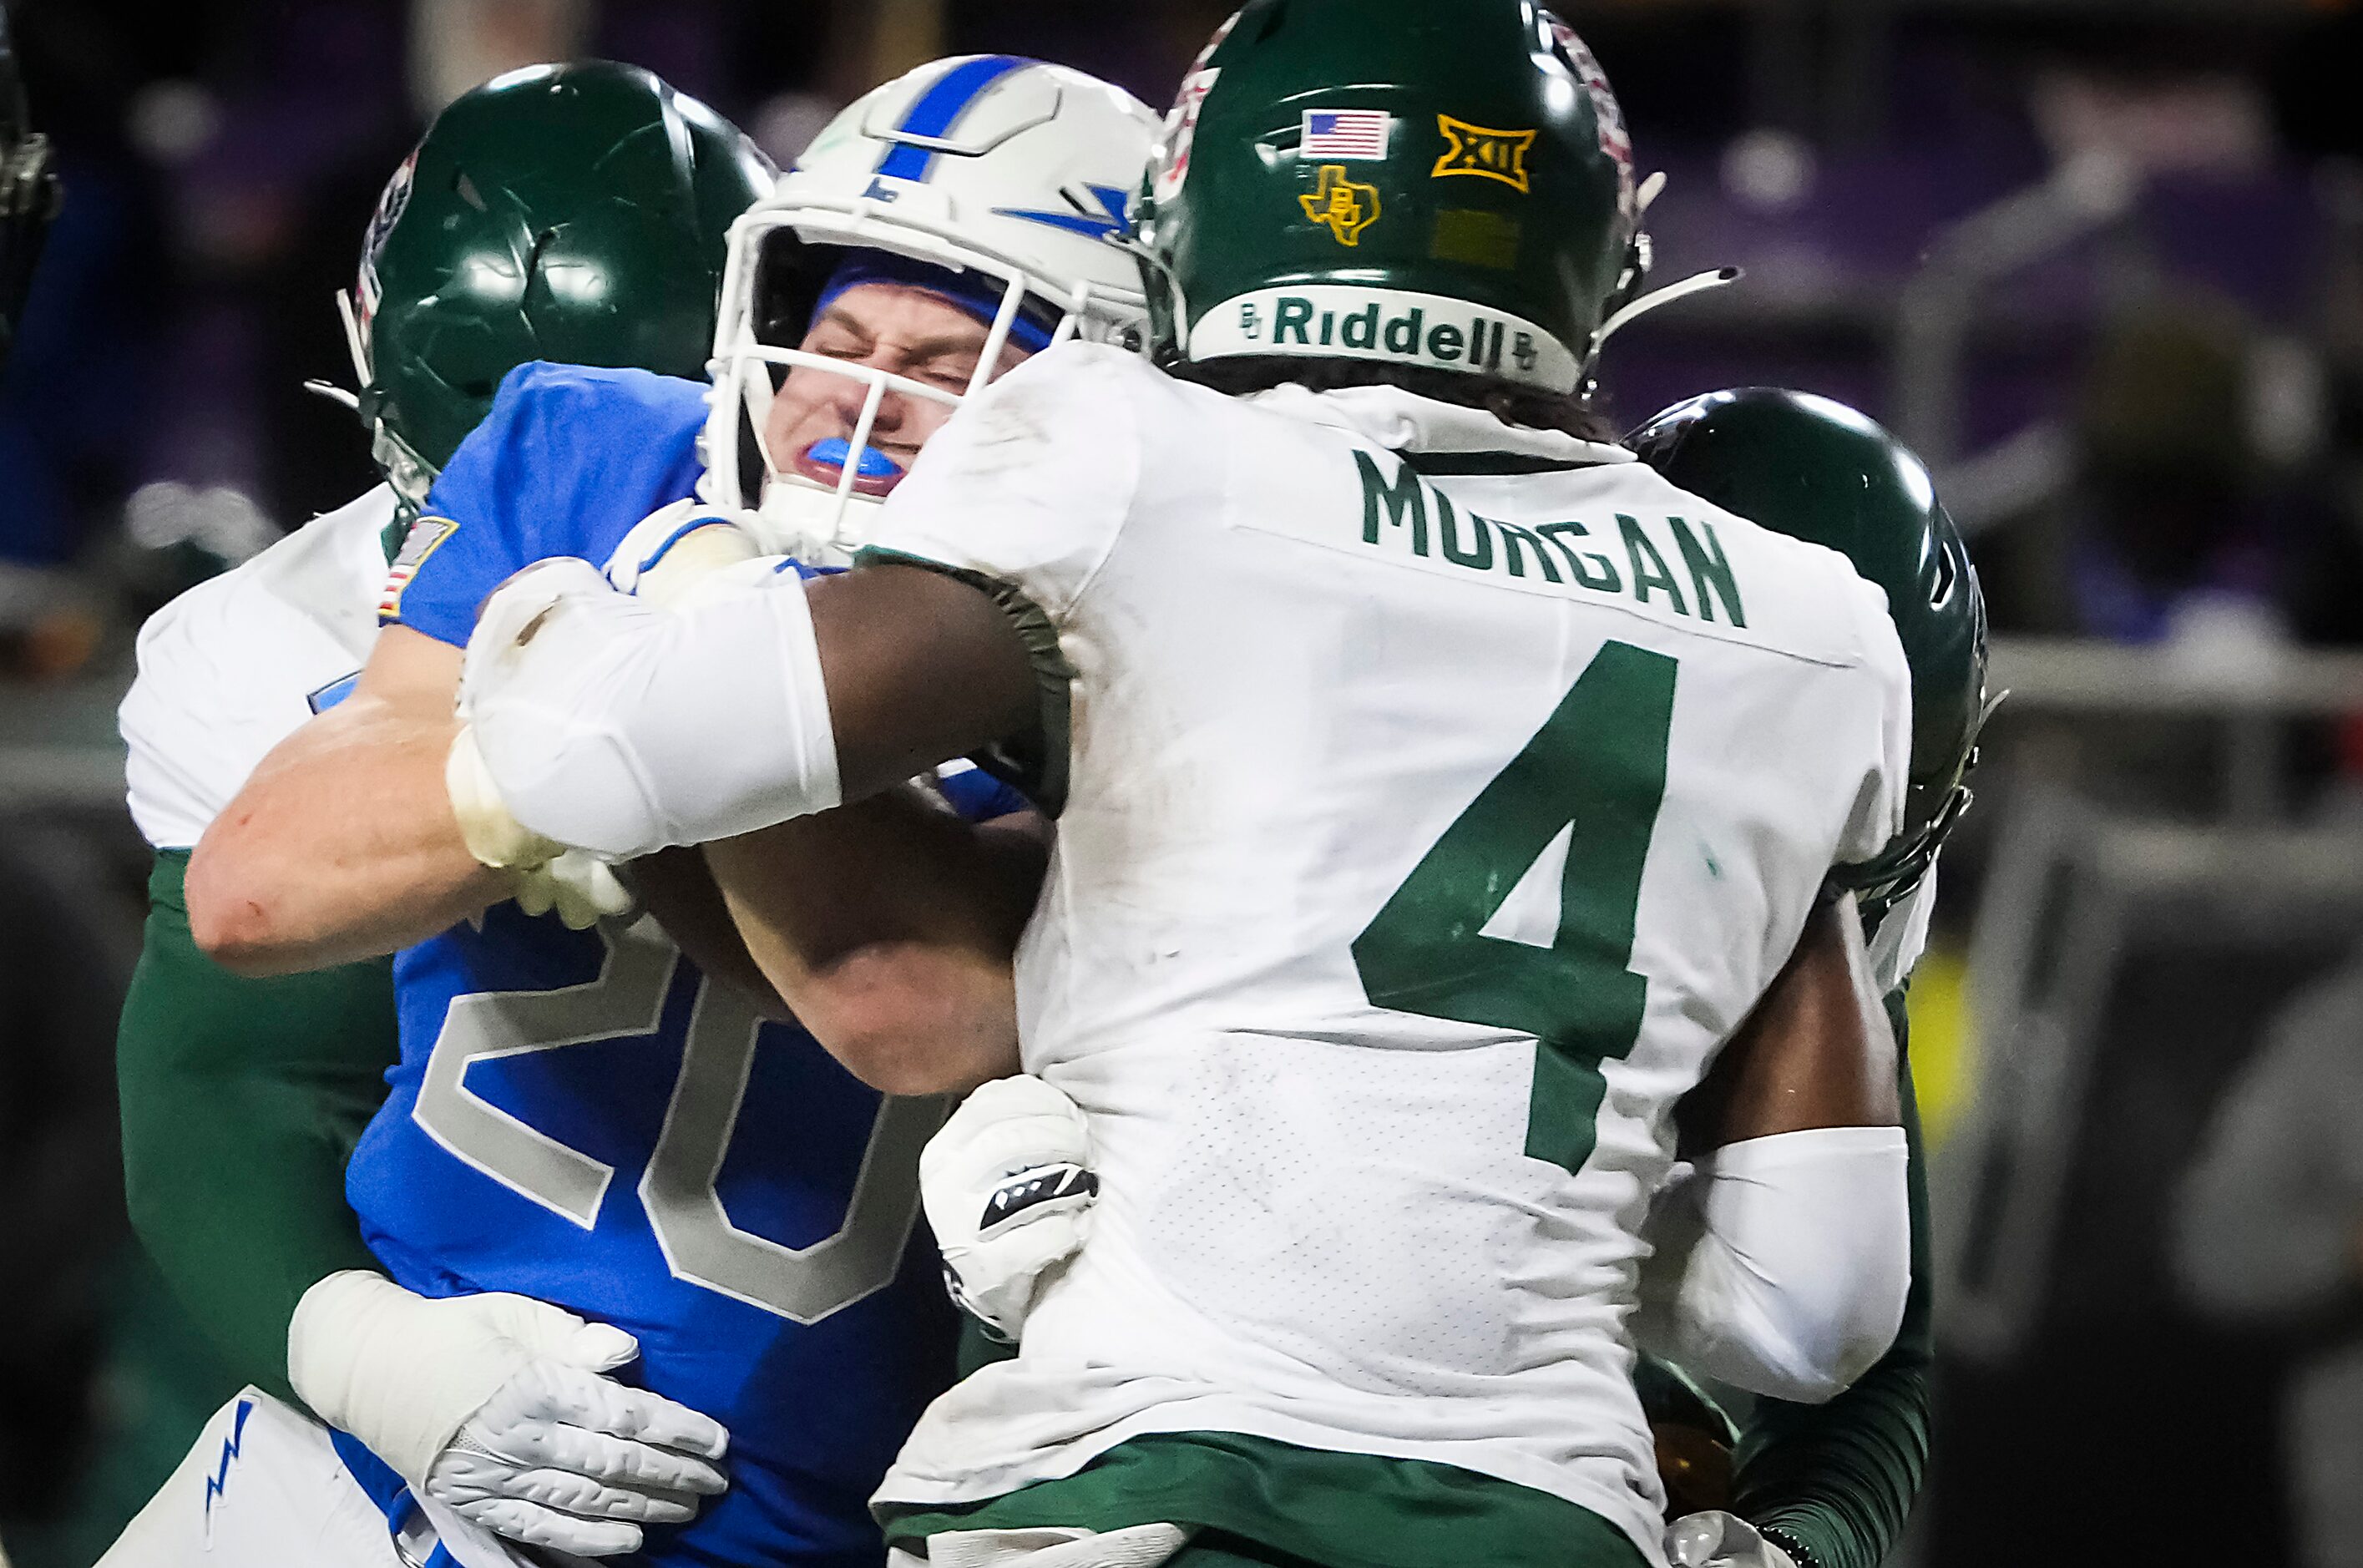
568, 461
582, 1117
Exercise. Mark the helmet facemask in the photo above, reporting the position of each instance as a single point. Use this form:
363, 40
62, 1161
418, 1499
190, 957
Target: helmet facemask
820, 504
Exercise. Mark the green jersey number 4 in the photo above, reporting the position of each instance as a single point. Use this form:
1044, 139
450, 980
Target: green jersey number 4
1596, 775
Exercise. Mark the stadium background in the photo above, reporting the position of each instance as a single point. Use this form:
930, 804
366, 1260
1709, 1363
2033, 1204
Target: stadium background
2100, 261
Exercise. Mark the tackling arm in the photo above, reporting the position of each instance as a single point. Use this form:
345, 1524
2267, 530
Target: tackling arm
1816, 1051
241, 1099
888, 926
1834, 1482
343, 844
1782, 1263
596, 714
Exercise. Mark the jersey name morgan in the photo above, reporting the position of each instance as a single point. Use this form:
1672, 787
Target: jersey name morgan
1405, 516
1440, 796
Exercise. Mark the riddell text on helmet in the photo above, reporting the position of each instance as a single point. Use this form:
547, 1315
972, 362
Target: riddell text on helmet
1394, 325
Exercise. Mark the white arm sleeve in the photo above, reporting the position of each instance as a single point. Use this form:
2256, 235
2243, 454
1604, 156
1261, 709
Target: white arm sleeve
1781, 1264
613, 726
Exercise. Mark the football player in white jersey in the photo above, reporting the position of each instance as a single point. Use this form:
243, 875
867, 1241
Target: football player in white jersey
1442, 795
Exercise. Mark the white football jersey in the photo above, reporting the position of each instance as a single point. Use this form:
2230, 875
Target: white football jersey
1440, 796
232, 667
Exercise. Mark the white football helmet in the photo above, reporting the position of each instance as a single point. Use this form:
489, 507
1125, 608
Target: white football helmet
1015, 172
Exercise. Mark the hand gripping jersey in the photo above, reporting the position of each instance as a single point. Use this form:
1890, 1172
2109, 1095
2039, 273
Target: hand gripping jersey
582, 1117
1440, 797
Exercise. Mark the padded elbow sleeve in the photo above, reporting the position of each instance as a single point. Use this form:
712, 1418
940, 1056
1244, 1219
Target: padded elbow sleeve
1782, 1263
612, 726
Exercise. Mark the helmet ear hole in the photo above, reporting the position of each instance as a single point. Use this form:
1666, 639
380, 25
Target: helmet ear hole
751, 457
788, 279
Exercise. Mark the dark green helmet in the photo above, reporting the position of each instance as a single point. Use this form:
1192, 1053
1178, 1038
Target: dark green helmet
1437, 183
1818, 471
573, 213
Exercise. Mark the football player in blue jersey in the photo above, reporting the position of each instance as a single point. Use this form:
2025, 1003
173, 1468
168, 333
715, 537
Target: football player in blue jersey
941, 230
242, 1097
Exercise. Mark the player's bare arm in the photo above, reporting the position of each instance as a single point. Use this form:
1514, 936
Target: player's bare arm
343, 843
903, 974
1815, 1053
1783, 1260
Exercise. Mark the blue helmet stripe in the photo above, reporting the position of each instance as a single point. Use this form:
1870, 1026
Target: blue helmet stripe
939, 108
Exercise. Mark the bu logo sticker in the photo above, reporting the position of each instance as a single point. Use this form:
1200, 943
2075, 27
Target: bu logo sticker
1486, 154
1346, 206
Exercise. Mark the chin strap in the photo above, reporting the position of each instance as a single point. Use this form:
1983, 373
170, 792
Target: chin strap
1698, 282
1635, 303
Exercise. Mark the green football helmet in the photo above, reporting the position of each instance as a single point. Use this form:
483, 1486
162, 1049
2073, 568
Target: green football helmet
1437, 183
1817, 470
574, 213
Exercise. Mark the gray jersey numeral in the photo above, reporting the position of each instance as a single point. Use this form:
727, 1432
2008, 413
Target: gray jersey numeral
678, 1190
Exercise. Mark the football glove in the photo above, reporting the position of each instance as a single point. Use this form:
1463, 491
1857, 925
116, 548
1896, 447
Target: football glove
579, 888
545, 876
494, 1406
1009, 1188
1717, 1539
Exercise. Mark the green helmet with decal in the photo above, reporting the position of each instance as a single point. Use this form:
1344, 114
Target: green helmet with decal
574, 213
1817, 470
1437, 184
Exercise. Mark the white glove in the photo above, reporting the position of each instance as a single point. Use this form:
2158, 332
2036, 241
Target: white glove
675, 547
578, 886
1008, 1189
544, 875
494, 837
492, 1405
1717, 1539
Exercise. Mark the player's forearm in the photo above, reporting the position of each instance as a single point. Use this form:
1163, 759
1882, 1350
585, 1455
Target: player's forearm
677, 887
342, 846
1815, 1053
241, 1099
1783, 1263
1839, 1478
887, 927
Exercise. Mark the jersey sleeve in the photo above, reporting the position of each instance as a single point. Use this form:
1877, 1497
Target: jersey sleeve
241, 1099
1029, 483
567, 461
211, 700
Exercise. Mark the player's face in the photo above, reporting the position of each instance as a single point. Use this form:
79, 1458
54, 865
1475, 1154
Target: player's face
887, 326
